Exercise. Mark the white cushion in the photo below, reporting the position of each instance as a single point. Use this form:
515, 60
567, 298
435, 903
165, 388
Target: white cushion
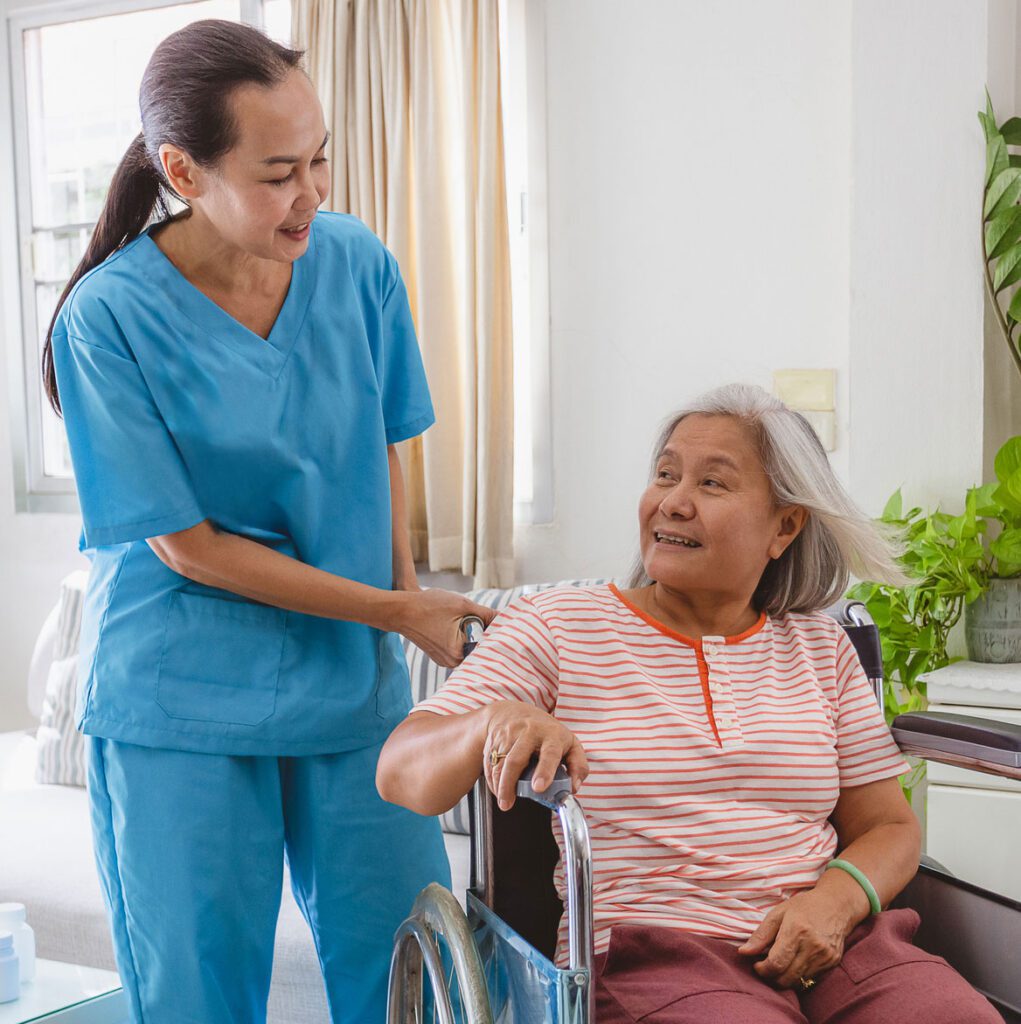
42, 657
61, 748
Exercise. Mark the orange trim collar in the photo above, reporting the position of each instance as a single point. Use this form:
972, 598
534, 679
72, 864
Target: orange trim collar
690, 641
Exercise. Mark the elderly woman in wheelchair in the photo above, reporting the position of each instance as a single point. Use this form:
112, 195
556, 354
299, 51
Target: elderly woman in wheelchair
739, 781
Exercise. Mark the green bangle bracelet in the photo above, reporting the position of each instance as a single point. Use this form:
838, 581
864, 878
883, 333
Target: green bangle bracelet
859, 876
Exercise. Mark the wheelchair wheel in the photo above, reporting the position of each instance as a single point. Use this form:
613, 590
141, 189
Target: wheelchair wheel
435, 943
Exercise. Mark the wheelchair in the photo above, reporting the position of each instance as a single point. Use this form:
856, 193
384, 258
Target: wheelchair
495, 964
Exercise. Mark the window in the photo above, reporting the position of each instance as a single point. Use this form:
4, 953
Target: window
68, 140
523, 92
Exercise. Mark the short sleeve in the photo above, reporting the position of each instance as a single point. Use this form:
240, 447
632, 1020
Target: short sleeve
516, 660
407, 407
132, 482
866, 751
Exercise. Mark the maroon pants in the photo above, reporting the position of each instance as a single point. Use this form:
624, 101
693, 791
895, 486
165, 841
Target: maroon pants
667, 976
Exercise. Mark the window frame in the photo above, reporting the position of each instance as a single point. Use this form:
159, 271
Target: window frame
530, 27
34, 491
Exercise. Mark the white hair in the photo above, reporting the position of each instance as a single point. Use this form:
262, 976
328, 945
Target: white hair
838, 540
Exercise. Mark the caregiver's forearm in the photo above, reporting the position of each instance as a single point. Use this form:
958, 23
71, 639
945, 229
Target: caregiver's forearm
245, 567
887, 855
403, 562
430, 761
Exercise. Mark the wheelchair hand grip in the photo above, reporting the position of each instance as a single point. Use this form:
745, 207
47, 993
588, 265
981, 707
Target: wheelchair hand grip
550, 796
472, 627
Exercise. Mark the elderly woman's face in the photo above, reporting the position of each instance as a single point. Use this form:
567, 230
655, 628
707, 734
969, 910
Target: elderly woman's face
708, 519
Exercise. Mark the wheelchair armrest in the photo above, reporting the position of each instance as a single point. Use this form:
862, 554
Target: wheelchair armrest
977, 743
553, 794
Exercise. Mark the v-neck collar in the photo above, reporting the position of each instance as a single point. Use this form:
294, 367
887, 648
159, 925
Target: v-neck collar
269, 354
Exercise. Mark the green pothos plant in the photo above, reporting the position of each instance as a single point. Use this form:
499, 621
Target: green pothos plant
949, 560
941, 556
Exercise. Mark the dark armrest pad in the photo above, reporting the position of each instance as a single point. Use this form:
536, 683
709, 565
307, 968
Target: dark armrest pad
964, 728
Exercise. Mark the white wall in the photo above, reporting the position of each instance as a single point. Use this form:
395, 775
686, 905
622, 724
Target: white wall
741, 187
699, 222
916, 328
36, 551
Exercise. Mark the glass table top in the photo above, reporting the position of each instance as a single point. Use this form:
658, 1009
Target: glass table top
57, 990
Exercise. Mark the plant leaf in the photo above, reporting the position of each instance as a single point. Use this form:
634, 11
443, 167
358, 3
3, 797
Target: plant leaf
1008, 269
1011, 131
1003, 231
1004, 191
1008, 459
988, 124
997, 158
894, 506
1008, 493
1014, 309
1007, 547
984, 503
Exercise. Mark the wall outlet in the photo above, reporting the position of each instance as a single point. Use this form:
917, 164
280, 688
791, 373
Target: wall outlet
806, 390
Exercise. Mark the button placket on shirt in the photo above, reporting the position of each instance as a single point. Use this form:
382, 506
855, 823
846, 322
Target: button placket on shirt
728, 725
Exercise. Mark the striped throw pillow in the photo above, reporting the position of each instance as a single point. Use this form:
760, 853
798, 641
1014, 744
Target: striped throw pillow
427, 677
60, 748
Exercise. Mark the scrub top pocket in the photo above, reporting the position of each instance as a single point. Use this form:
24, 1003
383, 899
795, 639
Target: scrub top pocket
393, 689
220, 660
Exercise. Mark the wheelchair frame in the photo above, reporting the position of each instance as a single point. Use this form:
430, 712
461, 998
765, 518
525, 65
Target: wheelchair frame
967, 925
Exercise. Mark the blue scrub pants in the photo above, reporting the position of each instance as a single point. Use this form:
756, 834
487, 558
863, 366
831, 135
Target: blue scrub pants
190, 849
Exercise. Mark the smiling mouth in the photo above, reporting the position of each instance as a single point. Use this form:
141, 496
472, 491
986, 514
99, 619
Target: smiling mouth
681, 542
298, 227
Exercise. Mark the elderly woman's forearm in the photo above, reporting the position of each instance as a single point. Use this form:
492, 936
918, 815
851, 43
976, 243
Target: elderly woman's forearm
887, 855
430, 761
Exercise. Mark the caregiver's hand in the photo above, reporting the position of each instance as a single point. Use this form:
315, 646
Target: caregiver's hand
515, 731
804, 935
431, 620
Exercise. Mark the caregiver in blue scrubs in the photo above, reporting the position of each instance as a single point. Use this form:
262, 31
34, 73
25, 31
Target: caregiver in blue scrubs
233, 380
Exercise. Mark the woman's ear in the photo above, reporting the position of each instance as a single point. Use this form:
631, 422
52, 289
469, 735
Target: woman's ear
180, 171
791, 523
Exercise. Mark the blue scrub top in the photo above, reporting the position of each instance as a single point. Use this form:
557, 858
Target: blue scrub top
177, 413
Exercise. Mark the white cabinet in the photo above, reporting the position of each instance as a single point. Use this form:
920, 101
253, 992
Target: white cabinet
973, 820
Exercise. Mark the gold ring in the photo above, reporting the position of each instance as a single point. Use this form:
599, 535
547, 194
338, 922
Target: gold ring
806, 983
495, 757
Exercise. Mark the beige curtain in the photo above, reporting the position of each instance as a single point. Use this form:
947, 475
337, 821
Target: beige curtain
411, 93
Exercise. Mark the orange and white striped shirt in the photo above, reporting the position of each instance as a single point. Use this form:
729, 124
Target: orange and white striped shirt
715, 763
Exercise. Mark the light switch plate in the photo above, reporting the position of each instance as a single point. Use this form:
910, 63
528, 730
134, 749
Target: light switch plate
825, 425
806, 390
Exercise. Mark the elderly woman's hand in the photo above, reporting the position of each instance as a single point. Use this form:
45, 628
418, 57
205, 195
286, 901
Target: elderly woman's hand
514, 733
804, 935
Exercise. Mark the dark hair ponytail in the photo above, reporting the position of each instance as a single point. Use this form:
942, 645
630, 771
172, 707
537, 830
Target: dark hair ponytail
184, 100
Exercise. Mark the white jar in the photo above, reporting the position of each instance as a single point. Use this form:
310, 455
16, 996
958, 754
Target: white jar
12, 919
9, 987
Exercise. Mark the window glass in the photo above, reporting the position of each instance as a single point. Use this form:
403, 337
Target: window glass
78, 131
276, 20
